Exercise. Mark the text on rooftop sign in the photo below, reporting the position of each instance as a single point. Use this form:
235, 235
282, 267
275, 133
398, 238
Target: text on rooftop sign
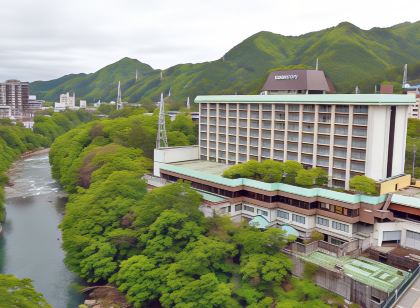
286, 77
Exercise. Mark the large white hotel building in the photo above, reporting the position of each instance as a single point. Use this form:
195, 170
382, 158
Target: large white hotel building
347, 134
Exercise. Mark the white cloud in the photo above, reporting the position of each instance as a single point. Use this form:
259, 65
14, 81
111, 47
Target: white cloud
46, 39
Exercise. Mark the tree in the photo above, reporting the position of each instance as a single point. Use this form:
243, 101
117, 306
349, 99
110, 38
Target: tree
363, 184
291, 168
261, 267
19, 293
305, 177
207, 291
140, 278
270, 171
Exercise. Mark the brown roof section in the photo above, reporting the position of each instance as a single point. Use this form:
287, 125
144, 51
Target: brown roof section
387, 89
297, 80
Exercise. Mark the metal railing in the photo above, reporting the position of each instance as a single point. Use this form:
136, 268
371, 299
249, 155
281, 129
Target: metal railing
399, 292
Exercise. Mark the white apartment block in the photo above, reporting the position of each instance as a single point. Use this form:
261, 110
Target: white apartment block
347, 134
14, 94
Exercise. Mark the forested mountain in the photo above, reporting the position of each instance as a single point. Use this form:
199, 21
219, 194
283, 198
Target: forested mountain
348, 54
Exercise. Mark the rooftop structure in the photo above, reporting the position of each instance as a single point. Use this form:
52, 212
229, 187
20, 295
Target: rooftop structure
347, 134
297, 82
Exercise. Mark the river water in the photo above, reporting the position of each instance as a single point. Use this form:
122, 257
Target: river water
30, 245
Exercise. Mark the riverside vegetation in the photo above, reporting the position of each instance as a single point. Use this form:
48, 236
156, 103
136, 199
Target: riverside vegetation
14, 141
156, 246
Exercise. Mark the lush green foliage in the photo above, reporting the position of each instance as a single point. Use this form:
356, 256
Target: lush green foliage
363, 184
55, 124
19, 293
270, 171
413, 142
348, 54
156, 246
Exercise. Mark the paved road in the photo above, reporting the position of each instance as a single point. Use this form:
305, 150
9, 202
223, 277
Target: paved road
411, 298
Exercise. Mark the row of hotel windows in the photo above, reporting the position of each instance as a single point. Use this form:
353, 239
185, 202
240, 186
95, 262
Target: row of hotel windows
337, 163
339, 139
297, 218
279, 118
271, 199
279, 129
281, 107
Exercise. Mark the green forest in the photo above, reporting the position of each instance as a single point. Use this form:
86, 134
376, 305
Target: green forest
349, 55
156, 246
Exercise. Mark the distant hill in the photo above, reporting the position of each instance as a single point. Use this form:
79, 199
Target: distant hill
348, 54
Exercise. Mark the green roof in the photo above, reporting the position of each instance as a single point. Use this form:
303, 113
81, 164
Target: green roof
335, 99
305, 192
210, 197
372, 273
259, 222
406, 200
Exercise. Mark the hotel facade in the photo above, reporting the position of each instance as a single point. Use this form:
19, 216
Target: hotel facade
348, 135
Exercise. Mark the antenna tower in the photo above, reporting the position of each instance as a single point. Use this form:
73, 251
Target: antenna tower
357, 90
404, 82
119, 103
137, 75
161, 139
161, 75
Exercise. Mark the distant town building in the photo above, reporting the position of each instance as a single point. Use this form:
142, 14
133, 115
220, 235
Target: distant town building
34, 104
67, 101
82, 104
387, 89
297, 82
413, 110
15, 95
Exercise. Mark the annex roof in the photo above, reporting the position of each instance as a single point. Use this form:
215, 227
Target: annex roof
331, 99
367, 271
198, 169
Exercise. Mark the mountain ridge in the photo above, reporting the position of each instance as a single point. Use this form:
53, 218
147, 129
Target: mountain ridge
347, 53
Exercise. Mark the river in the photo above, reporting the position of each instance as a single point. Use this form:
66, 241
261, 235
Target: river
30, 245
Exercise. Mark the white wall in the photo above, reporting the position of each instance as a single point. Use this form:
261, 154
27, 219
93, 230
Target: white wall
173, 155
399, 140
377, 142
401, 225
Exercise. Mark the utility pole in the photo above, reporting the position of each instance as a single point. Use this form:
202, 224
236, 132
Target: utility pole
404, 82
414, 160
161, 139
119, 103
316, 65
188, 103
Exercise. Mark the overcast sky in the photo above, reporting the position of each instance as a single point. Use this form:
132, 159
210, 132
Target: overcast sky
45, 39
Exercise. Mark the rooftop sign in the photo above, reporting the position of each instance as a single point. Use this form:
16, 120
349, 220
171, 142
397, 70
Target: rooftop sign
286, 77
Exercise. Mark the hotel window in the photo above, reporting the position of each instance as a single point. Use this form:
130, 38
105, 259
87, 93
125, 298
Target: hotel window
283, 214
279, 107
262, 212
248, 208
299, 219
322, 221
324, 206
293, 107
325, 118
238, 207
340, 226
